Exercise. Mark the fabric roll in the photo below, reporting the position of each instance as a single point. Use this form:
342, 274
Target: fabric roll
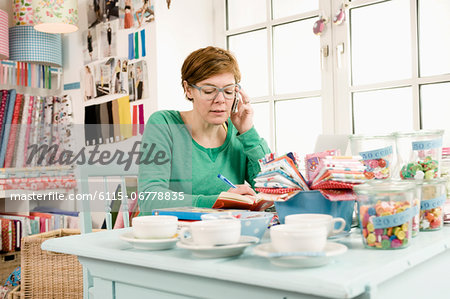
28, 129
19, 159
7, 125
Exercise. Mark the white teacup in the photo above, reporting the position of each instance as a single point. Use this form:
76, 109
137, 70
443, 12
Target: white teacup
154, 227
317, 219
292, 237
213, 232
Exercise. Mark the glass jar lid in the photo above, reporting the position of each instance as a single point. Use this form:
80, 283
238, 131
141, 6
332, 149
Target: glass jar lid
369, 137
391, 186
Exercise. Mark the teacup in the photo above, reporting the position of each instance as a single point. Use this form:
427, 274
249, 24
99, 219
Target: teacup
155, 227
317, 219
212, 232
292, 238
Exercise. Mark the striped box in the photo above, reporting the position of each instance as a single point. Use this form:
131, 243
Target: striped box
4, 41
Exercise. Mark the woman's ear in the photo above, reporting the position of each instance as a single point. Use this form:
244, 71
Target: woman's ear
187, 90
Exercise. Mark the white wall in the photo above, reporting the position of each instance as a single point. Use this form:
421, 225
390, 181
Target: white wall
185, 27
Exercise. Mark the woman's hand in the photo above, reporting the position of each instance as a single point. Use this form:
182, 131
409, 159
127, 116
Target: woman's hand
243, 119
243, 190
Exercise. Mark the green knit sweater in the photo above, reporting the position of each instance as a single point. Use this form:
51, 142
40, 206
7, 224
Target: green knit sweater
176, 171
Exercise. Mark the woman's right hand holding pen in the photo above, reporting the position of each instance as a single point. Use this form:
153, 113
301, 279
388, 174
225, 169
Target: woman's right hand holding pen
243, 190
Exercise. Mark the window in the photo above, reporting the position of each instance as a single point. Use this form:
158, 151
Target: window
383, 69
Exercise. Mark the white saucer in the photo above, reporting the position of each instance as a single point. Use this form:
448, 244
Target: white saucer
149, 244
331, 249
204, 251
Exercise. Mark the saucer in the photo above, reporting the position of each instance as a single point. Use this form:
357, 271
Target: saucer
204, 251
149, 244
291, 260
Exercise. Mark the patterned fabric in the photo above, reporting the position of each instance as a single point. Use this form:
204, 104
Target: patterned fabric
39, 183
28, 44
277, 190
56, 11
19, 158
338, 195
332, 185
4, 40
22, 12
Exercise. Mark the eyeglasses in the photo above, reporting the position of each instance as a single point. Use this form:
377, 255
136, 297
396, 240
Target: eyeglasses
210, 92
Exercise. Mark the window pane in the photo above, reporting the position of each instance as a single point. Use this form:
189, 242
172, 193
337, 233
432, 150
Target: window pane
251, 52
381, 42
435, 106
434, 37
261, 120
383, 111
298, 123
285, 8
245, 13
296, 57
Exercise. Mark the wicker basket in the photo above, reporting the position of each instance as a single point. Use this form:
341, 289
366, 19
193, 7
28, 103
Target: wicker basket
15, 293
8, 262
47, 274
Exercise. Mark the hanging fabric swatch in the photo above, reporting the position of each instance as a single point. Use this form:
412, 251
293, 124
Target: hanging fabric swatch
110, 121
104, 127
135, 120
141, 119
143, 42
90, 119
130, 46
136, 45
125, 117
116, 120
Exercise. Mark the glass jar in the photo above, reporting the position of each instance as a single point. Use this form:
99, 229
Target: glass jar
416, 205
378, 154
419, 154
445, 173
431, 207
385, 211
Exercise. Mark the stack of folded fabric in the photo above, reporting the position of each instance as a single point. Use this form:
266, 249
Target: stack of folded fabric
280, 177
338, 172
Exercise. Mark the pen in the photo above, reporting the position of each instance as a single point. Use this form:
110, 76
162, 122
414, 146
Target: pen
226, 180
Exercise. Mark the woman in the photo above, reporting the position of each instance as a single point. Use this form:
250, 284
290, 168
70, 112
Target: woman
128, 18
89, 44
139, 82
183, 152
142, 11
89, 84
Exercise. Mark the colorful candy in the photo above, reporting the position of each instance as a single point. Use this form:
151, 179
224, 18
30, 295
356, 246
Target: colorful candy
433, 198
382, 212
428, 166
376, 168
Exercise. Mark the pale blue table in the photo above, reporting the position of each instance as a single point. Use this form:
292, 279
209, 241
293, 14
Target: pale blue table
420, 271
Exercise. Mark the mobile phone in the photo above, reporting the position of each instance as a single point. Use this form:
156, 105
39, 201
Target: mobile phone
234, 107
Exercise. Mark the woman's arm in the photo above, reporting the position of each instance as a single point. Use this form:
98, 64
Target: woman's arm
160, 158
255, 148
